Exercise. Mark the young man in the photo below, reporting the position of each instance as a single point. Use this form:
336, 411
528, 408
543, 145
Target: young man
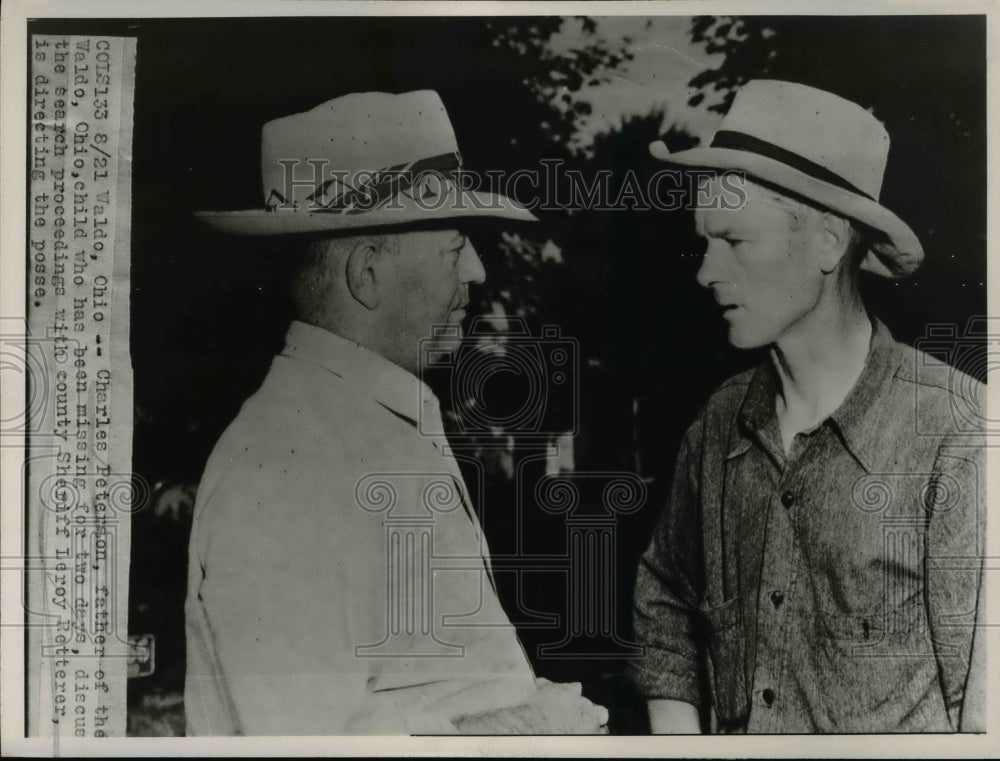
817, 566
339, 582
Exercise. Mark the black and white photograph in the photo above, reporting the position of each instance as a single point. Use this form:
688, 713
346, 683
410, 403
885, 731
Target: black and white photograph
457, 371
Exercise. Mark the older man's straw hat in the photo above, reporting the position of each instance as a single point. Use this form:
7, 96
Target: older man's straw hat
820, 147
359, 161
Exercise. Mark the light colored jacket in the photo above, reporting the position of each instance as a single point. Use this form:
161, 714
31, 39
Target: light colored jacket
338, 579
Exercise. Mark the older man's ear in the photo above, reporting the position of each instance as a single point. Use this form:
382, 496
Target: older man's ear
363, 271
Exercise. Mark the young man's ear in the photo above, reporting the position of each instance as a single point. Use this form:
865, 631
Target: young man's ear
836, 238
363, 271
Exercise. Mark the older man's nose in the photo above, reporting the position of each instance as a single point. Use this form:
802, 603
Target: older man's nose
470, 266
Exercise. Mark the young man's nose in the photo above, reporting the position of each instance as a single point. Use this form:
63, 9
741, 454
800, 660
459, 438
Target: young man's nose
470, 266
711, 268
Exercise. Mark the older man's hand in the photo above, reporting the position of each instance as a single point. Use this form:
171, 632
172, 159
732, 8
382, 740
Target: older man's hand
557, 709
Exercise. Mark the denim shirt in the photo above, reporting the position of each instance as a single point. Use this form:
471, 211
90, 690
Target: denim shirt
835, 589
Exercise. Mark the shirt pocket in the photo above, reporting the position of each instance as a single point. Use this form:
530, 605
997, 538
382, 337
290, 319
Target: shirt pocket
724, 630
899, 629
879, 672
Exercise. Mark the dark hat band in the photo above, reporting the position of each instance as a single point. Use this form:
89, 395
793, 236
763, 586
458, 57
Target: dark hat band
741, 141
377, 189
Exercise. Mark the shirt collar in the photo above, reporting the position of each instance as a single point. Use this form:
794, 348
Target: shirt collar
856, 417
857, 420
400, 391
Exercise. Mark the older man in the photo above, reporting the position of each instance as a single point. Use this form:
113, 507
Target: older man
339, 581
817, 566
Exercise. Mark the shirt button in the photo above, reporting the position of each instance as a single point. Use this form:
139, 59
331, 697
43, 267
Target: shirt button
768, 696
788, 498
777, 598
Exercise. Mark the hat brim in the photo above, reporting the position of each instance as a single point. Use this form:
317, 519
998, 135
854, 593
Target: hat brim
899, 255
259, 222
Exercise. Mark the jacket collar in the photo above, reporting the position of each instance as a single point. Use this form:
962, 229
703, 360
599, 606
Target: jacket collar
856, 420
390, 385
